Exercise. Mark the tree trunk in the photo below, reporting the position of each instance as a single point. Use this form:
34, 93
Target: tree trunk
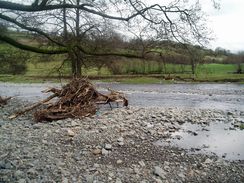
75, 63
193, 66
77, 57
65, 24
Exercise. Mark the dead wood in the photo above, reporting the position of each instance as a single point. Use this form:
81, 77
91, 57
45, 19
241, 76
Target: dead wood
29, 108
3, 101
77, 99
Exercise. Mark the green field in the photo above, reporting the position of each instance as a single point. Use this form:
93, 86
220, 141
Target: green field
42, 68
47, 71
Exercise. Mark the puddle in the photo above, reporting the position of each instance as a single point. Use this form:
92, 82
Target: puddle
216, 138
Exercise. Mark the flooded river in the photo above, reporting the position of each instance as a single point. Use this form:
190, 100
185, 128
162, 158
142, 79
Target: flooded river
207, 96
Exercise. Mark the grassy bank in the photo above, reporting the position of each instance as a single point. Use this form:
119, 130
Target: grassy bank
131, 79
130, 72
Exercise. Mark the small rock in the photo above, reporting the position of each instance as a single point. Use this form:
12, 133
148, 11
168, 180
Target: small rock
191, 173
65, 180
136, 170
32, 172
157, 180
178, 137
97, 151
96, 165
18, 174
73, 123
22, 181
8, 165
121, 143
119, 161
36, 126
44, 141
141, 163
229, 113
159, 172
181, 175
89, 178
105, 152
70, 133
166, 163
118, 180
108, 146
224, 155
208, 161
121, 139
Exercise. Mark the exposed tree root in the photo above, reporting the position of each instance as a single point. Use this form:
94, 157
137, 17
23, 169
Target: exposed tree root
3, 101
77, 99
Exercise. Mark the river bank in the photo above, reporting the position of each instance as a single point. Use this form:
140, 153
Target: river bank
113, 146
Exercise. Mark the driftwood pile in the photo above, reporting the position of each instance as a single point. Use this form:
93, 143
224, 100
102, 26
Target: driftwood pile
3, 101
77, 99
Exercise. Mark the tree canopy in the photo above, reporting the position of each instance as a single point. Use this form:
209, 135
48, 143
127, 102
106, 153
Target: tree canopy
84, 28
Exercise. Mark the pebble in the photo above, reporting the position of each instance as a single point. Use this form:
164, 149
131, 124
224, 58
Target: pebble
18, 174
73, 123
119, 161
21, 181
121, 143
105, 152
208, 161
157, 180
108, 146
118, 180
70, 133
65, 180
89, 178
97, 151
141, 163
121, 139
159, 172
32, 172
8, 165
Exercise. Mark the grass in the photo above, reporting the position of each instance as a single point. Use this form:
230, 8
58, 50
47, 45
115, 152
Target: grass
242, 126
131, 71
137, 80
19, 79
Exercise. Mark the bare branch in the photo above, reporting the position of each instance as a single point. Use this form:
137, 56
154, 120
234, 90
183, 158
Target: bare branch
31, 48
29, 28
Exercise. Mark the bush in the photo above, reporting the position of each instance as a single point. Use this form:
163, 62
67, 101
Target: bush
12, 61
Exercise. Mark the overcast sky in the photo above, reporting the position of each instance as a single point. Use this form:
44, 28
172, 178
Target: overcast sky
227, 24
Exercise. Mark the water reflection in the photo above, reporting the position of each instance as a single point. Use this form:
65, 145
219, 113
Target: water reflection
216, 138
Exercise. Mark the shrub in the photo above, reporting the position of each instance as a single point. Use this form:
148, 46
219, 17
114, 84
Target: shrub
12, 61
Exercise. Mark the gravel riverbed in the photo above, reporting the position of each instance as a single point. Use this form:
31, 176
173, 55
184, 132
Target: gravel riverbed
113, 146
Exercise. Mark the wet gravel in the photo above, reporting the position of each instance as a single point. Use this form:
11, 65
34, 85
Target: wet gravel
112, 146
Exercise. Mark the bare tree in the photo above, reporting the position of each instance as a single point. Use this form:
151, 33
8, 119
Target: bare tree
74, 27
